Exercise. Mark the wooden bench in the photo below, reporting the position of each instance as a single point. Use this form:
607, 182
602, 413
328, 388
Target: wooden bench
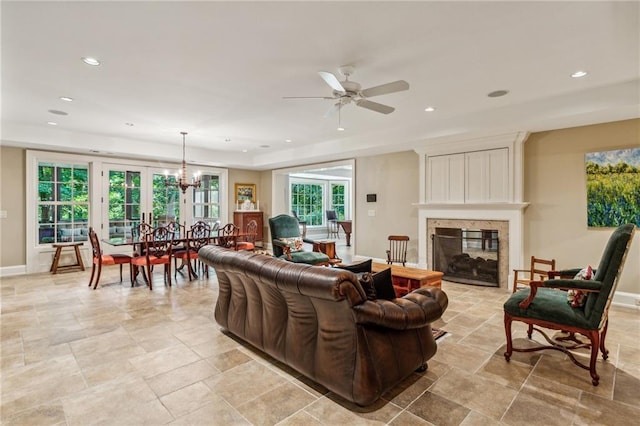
406, 279
55, 267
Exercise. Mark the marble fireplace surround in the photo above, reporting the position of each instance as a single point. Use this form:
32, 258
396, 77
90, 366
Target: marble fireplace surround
507, 218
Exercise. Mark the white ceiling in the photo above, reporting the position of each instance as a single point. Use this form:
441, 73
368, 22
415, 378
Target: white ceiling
219, 70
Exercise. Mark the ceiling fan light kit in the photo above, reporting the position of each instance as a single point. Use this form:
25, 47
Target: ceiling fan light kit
348, 91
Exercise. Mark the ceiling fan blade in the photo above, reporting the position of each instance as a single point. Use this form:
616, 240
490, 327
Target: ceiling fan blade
331, 80
383, 89
334, 108
374, 106
306, 97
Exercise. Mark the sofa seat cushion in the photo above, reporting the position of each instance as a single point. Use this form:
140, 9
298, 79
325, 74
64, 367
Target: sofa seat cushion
548, 305
310, 257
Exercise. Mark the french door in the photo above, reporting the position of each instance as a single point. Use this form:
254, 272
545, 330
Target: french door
134, 194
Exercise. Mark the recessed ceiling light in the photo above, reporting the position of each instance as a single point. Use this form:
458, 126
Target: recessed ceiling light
129, 124
91, 61
244, 150
66, 99
288, 140
52, 123
579, 74
340, 129
58, 112
497, 93
429, 109
265, 146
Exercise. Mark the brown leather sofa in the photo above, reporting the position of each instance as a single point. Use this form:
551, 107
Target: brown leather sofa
318, 321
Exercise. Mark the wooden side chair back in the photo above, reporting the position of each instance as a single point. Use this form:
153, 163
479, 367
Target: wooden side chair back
100, 259
543, 306
228, 236
538, 271
249, 240
397, 252
158, 246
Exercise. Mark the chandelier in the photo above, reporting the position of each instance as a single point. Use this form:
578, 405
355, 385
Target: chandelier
181, 176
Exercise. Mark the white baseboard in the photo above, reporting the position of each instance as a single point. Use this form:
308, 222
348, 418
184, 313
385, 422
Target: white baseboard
627, 300
8, 271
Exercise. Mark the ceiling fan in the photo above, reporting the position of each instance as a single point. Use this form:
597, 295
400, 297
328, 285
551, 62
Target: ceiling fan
347, 91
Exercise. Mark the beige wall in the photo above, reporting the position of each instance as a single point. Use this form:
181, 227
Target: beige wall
12, 200
555, 185
394, 179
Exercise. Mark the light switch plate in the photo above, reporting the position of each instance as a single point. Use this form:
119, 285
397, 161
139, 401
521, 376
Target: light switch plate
372, 213
3, 214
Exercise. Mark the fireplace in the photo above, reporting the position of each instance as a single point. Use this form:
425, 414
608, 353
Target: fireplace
467, 256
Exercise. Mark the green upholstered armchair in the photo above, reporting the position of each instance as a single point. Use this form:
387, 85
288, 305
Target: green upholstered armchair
545, 306
284, 227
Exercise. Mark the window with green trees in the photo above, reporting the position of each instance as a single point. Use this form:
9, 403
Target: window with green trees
124, 202
306, 201
206, 200
338, 199
63, 203
166, 200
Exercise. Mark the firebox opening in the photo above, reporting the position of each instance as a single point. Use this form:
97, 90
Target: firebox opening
467, 256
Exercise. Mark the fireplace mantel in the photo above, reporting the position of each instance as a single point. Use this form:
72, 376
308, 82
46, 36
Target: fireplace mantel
471, 206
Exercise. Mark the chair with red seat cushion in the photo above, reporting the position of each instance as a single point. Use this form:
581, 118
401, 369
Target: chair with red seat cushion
100, 259
249, 243
157, 251
197, 237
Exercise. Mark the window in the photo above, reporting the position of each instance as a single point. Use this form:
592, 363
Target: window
63, 203
307, 202
124, 202
206, 200
338, 199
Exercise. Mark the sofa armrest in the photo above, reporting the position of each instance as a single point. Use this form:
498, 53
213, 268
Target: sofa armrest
417, 309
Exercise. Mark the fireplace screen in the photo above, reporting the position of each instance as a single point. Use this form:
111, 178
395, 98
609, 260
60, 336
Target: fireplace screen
468, 256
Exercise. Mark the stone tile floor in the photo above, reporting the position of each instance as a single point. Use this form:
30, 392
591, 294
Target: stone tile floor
126, 356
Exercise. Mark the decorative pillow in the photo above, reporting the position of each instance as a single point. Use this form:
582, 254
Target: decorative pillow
294, 242
384, 285
576, 298
364, 266
366, 281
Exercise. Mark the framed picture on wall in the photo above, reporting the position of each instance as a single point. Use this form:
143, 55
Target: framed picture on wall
245, 192
613, 185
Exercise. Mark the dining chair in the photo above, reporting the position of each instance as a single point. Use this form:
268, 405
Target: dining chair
228, 236
157, 251
197, 237
100, 259
248, 242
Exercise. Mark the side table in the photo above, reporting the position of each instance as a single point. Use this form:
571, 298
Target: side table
55, 267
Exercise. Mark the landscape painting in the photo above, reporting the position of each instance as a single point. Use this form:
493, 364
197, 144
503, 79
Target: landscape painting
613, 187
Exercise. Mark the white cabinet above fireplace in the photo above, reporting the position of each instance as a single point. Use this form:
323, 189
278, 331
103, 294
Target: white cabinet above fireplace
482, 170
471, 177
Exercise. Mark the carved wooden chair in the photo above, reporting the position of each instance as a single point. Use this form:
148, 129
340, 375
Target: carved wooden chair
228, 236
100, 260
157, 251
248, 241
198, 236
544, 306
397, 252
539, 270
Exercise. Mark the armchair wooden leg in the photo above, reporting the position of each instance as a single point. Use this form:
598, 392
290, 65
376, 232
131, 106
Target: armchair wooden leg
93, 271
507, 329
95, 285
530, 330
594, 336
605, 352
